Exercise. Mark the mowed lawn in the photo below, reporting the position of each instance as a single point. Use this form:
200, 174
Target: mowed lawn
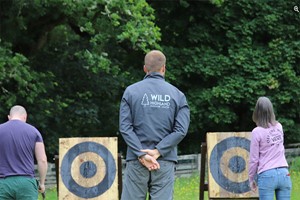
188, 188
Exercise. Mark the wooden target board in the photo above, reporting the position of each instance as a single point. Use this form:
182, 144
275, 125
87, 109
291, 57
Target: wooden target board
88, 168
228, 157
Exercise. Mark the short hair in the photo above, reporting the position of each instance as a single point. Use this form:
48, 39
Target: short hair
155, 60
263, 114
17, 111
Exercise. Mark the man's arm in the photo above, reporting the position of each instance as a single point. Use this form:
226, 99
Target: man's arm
41, 158
130, 137
180, 129
126, 128
152, 152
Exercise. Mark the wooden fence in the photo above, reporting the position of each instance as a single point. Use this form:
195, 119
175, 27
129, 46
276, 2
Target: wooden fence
51, 175
292, 151
187, 164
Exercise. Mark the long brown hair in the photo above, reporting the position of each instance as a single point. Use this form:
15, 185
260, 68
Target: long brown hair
263, 114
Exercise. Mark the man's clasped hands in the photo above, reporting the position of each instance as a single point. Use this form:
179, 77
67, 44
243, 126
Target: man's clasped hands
149, 160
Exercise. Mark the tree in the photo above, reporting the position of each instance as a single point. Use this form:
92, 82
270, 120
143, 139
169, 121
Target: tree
225, 55
67, 61
17, 80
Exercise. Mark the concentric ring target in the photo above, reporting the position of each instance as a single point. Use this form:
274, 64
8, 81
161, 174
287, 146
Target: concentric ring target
88, 169
102, 186
216, 169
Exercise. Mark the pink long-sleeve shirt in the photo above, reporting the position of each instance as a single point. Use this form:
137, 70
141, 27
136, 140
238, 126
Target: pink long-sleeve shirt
266, 150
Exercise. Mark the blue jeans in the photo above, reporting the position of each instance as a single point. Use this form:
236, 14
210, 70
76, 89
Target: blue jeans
276, 180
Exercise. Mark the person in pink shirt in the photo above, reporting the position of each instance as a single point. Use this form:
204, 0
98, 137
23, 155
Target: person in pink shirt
267, 163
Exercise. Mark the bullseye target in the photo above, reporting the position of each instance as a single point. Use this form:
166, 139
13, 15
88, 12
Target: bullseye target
88, 168
228, 157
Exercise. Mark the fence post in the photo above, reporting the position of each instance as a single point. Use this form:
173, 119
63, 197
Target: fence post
56, 159
203, 185
120, 182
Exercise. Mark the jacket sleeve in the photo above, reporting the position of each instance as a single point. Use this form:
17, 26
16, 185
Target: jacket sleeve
126, 127
254, 156
180, 129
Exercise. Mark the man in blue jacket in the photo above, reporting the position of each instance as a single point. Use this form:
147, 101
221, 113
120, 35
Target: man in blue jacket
154, 118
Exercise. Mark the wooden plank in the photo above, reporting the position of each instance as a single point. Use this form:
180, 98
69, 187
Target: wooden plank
292, 152
228, 155
50, 176
88, 168
120, 178
294, 145
203, 185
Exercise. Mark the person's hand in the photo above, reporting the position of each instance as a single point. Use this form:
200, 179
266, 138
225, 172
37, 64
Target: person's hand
253, 186
152, 152
149, 162
41, 188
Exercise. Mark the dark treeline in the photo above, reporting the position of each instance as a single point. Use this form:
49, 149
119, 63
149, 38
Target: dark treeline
69, 62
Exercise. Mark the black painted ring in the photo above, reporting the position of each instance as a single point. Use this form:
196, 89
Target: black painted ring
215, 167
100, 188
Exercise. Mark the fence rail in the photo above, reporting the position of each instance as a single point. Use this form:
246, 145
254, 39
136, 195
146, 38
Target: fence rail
187, 164
292, 151
50, 177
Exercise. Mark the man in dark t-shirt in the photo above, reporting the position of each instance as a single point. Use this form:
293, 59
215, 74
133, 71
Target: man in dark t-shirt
20, 143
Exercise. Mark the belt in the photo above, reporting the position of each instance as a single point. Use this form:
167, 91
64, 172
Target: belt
281, 167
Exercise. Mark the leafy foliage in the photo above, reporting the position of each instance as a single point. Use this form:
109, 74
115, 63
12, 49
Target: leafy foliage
225, 56
18, 82
69, 62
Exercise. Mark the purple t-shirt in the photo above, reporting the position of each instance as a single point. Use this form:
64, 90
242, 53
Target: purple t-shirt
266, 150
17, 146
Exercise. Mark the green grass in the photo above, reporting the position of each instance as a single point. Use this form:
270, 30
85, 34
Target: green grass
51, 194
295, 175
188, 188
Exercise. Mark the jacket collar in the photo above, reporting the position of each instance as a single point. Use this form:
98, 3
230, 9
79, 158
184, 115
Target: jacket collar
155, 75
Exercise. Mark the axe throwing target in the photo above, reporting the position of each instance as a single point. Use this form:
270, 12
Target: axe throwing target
236, 164
88, 169
228, 154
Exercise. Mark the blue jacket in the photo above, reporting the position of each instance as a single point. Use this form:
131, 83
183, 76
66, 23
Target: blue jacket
153, 114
